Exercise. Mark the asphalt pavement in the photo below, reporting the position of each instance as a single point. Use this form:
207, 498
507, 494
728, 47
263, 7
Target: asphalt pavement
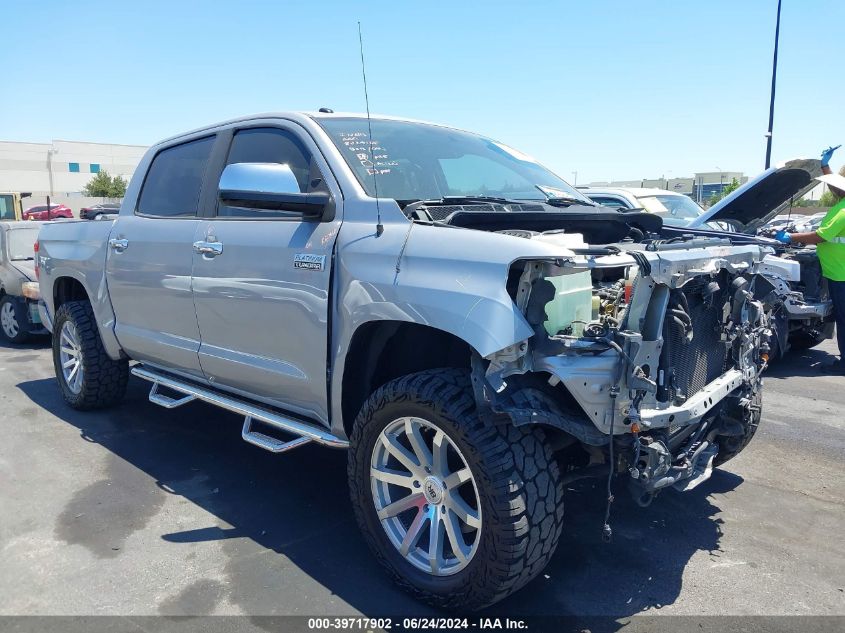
140, 510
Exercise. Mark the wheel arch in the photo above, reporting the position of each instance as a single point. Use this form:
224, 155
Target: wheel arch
380, 351
66, 289
66, 285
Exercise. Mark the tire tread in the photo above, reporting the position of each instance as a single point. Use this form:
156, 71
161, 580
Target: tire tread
518, 470
104, 379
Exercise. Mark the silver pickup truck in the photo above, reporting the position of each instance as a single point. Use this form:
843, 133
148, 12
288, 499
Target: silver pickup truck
474, 330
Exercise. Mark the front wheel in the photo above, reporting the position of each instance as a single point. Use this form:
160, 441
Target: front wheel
461, 513
731, 446
12, 322
88, 377
801, 341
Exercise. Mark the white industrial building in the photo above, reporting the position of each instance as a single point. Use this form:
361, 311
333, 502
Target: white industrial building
61, 169
699, 187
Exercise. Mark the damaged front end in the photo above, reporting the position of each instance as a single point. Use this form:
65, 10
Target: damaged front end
646, 355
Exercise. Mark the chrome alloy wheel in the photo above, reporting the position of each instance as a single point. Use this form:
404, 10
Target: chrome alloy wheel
9, 320
425, 496
70, 357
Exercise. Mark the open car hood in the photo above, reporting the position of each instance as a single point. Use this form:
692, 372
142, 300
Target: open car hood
759, 200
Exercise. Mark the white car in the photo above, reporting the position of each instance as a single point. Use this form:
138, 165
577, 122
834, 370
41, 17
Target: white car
676, 209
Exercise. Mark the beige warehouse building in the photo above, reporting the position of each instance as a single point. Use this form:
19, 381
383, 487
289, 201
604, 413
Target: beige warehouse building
61, 169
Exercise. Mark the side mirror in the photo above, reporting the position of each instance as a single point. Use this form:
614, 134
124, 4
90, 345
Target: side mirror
269, 186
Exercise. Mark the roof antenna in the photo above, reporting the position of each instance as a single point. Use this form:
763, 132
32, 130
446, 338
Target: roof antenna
379, 225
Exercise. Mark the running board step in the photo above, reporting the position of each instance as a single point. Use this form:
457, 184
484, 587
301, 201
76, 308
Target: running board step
272, 444
303, 431
166, 401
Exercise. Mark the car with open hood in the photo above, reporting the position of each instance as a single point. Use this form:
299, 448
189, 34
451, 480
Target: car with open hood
469, 326
804, 314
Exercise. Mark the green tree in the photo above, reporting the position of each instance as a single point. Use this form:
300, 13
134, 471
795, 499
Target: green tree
828, 199
730, 187
102, 185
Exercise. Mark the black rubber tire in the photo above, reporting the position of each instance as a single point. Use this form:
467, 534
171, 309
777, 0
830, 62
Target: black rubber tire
730, 447
519, 485
23, 335
103, 379
801, 342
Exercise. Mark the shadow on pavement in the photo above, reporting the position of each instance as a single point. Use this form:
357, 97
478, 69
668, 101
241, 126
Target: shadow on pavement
36, 342
807, 363
297, 505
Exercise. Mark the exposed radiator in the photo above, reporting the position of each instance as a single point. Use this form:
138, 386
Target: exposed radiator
701, 360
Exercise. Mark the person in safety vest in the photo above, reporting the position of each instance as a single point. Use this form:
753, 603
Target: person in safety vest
830, 237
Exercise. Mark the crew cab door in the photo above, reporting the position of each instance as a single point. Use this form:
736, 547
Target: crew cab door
150, 257
263, 315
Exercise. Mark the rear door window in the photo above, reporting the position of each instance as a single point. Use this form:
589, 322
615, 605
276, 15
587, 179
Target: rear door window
174, 180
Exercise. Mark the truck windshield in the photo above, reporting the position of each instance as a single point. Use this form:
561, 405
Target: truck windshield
21, 243
7, 207
419, 161
675, 210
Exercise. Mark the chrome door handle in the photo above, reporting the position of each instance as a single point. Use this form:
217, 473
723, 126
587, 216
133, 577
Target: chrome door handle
208, 249
119, 245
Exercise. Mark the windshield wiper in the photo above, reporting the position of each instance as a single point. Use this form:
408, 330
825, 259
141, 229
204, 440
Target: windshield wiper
477, 200
565, 201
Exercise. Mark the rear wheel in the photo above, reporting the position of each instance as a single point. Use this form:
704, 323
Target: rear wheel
88, 377
460, 513
12, 320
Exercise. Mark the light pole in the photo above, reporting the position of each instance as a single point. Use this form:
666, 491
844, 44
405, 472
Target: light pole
721, 181
50, 153
772, 101
575, 176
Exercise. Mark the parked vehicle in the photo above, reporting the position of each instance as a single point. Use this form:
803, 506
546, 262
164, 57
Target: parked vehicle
776, 224
95, 212
809, 223
19, 316
804, 316
10, 205
40, 212
477, 335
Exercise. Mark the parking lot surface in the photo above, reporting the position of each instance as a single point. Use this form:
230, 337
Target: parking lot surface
142, 511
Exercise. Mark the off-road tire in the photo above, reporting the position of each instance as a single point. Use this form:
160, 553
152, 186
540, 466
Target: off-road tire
518, 480
731, 446
799, 342
103, 379
23, 335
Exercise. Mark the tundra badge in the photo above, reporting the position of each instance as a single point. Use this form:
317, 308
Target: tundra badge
309, 261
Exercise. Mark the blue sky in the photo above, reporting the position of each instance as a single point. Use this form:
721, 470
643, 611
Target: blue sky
611, 89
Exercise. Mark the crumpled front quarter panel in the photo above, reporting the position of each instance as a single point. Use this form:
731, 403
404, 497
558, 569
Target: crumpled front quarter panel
450, 279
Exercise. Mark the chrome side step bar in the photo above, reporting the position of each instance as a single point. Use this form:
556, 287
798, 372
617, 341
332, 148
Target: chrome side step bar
303, 431
268, 443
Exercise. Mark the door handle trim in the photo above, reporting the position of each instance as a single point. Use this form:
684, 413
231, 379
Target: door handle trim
208, 249
119, 245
